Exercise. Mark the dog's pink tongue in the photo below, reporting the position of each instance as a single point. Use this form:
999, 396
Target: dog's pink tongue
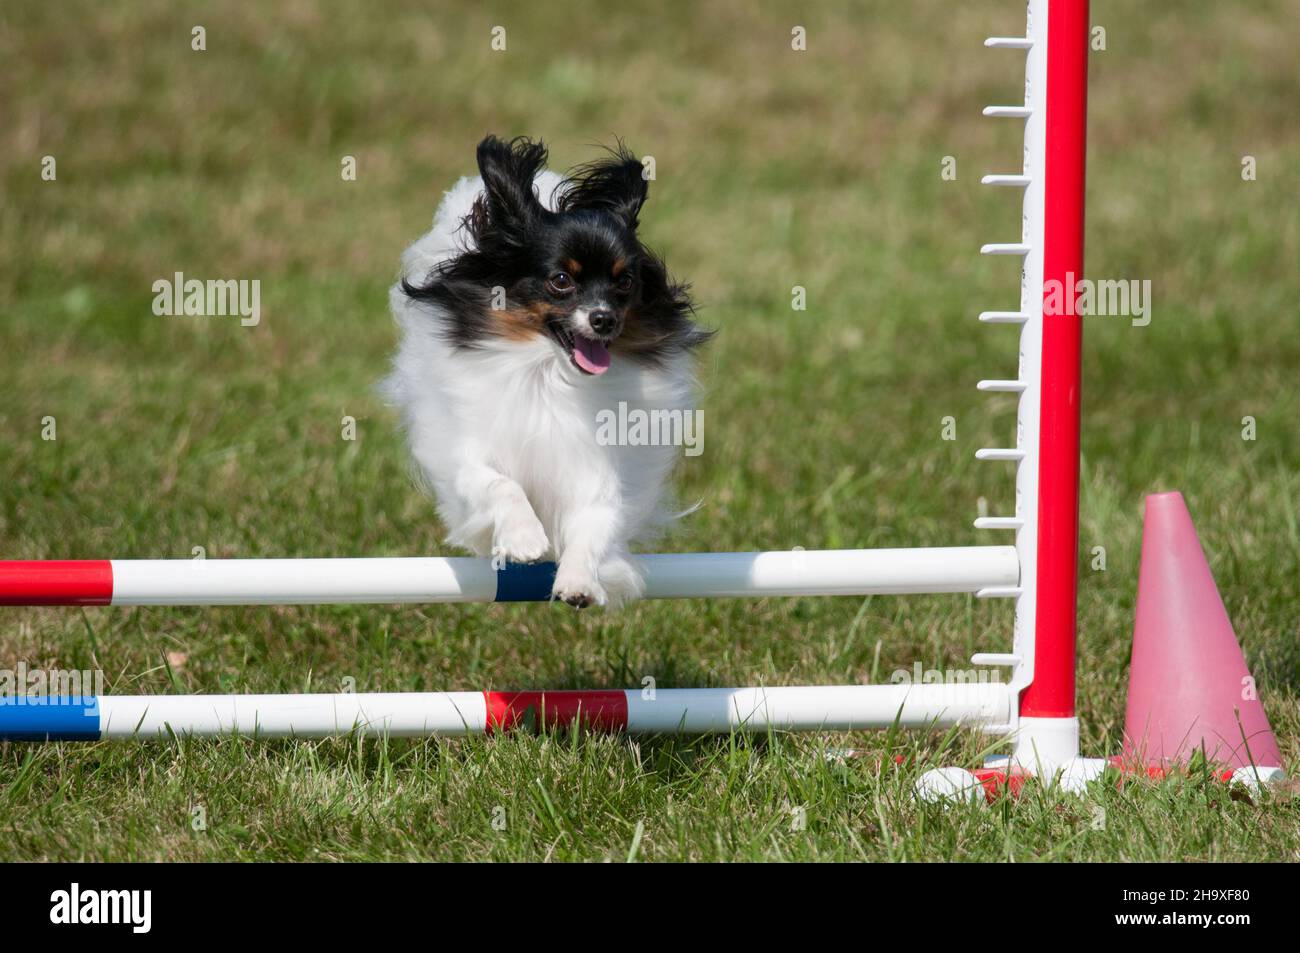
591, 356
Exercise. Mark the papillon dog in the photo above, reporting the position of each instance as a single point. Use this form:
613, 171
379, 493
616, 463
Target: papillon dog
528, 309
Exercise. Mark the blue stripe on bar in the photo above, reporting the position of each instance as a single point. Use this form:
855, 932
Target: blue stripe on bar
525, 582
49, 718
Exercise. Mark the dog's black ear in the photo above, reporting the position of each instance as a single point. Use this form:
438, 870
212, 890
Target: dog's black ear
508, 170
615, 184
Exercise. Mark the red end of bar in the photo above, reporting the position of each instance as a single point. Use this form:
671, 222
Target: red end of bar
1051, 694
997, 782
598, 711
1128, 766
56, 582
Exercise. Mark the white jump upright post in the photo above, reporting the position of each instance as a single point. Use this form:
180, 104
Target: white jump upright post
1046, 520
1035, 707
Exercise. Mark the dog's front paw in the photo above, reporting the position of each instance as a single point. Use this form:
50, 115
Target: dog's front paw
578, 588
622, 580
519, 538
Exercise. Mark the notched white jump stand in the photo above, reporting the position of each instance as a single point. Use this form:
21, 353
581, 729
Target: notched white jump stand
1045, 729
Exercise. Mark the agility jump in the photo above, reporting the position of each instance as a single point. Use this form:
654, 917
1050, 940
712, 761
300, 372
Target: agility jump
1035, 707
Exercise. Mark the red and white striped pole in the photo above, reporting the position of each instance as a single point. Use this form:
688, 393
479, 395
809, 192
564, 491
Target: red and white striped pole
426, 714
1048, 726
1046, 518
427, 579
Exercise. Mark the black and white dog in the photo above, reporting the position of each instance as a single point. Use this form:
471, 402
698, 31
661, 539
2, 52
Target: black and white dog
528, 309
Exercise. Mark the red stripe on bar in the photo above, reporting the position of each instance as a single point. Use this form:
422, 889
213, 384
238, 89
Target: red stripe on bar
996, 782
1051, 694
56, 582
1158, 772
599, 710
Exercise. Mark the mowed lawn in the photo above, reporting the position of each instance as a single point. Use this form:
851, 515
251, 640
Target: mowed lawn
824, 427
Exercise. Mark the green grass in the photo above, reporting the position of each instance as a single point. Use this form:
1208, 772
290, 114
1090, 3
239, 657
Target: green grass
775, 169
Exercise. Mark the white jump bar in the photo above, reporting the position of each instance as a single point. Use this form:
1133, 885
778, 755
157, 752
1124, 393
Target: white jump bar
421, 714
211, 582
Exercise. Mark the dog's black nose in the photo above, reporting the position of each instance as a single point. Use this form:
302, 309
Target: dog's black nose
602, 322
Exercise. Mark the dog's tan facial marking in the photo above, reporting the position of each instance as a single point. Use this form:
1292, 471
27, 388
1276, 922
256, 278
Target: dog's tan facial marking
573, 267
521, 322
620, 266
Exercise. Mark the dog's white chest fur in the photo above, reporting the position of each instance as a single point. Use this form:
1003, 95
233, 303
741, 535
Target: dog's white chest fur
506, 435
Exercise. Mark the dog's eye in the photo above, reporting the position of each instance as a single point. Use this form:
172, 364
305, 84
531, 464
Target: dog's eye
624, 284
560, 283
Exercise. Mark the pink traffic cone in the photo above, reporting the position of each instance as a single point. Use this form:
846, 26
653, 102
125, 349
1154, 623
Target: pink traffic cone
1189, 687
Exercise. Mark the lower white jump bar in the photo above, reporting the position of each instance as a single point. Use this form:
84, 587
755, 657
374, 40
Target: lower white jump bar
682, 710
206, 582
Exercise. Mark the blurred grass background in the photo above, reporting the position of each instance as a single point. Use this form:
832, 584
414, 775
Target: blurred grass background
774, 169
